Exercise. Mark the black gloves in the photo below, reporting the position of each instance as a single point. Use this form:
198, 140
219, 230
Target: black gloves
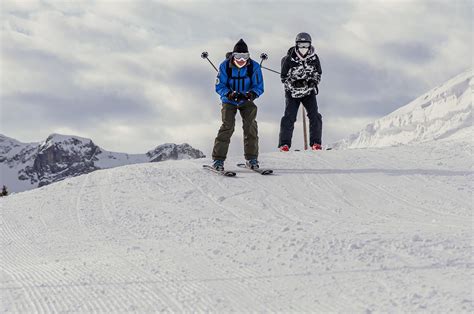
312, 83
231, 95
299, 83
251, 96
235, 96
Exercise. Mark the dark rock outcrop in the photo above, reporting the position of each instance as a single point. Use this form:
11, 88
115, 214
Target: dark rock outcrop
61, 157
172, 151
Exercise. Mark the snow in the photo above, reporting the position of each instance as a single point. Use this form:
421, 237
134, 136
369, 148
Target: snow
439, 113
107, 159
387, 228
380, 229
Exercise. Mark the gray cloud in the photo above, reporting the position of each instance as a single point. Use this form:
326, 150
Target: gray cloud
409, 52
129, 73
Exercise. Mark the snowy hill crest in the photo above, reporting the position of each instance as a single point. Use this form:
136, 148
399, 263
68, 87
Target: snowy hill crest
439, 113
26, 166
352, 231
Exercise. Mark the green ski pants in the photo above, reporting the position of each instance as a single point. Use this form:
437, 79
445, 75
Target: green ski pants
248, 112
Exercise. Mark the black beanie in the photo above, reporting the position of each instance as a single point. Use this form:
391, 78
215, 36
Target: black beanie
241, 46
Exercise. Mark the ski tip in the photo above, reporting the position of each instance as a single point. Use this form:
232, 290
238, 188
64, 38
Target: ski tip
225, 173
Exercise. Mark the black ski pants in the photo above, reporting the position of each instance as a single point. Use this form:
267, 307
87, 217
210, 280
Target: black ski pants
287, 124
248, 112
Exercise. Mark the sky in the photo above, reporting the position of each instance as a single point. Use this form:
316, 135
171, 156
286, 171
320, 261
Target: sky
128, 74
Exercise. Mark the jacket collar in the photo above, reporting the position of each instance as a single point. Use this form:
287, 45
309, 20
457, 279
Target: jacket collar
295, 56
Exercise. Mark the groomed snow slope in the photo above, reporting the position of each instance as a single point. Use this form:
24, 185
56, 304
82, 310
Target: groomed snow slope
382, 229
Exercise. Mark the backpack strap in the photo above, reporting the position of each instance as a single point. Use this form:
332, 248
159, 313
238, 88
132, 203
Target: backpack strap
228, 68
250, 69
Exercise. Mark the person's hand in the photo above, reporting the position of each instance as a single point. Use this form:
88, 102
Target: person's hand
299, 83
251, 95
312, 83
232, 95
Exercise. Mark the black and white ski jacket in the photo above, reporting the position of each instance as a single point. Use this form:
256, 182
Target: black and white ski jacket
297, 72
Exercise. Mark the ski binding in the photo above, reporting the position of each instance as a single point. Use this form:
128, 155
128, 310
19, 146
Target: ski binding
262, 171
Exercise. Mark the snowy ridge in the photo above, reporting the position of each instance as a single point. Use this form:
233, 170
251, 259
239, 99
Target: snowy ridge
332, 231
69, 141
10, 147
440, 113
14, 157
26, 166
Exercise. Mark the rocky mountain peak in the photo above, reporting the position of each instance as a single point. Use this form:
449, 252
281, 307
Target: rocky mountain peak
26, 166
173, 151
62, 156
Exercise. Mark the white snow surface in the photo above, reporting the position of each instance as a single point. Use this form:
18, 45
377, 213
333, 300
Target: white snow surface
373, 230
439, 113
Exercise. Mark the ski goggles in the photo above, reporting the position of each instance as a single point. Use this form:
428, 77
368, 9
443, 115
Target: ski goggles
241, 55
303, 44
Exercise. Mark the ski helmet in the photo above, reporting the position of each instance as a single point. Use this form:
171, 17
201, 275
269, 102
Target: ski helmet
303, 37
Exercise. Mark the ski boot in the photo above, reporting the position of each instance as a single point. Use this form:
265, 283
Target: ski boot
218, 165
284, 148
316, 147
252, 163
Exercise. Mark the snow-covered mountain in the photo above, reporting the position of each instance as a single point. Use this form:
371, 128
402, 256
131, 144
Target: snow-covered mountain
382, 229
442, 112
28, 165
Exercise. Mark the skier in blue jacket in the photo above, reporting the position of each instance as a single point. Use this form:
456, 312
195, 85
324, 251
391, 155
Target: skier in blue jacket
239, 82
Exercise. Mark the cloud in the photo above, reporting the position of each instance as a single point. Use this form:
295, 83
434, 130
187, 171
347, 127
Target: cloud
129, 74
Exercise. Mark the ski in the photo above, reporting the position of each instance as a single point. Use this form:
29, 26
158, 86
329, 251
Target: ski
224, 173
262, 171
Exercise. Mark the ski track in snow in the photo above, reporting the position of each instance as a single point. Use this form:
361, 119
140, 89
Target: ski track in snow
332, 231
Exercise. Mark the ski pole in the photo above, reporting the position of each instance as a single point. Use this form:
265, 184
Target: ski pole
205, 55
305, 132
263, 57
268, 69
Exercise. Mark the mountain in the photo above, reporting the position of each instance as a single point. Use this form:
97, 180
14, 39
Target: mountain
442, 112
381, 229
28, 165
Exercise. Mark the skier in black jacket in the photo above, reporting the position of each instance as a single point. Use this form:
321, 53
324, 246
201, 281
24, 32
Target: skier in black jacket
301, 74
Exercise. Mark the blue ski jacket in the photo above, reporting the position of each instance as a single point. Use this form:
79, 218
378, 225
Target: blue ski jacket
238, 80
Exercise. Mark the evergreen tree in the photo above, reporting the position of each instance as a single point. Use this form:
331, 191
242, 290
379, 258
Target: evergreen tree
4, 191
